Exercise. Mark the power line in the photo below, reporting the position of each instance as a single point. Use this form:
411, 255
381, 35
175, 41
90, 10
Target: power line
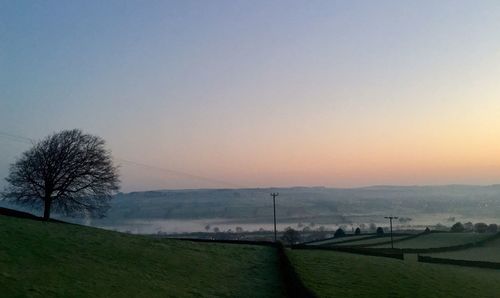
16, 138
179, 173
26, 140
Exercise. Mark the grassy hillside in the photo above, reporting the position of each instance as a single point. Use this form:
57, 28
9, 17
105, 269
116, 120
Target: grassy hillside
40, 259
336, 274
434, 240
489, 252
338, 240
373, 241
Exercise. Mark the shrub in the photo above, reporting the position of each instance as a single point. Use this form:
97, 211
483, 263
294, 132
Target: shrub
358, 231
339, 233
380, 231
492, 228
457, 227
480, 227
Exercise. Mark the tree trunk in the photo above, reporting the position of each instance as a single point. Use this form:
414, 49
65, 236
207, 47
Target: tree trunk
46, 210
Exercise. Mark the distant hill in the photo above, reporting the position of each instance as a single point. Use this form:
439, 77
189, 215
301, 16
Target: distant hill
304, 202
422, 205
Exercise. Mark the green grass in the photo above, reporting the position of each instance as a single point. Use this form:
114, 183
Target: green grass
372, 241
337, 274
489, 252
434, 240
39, 259
340, 239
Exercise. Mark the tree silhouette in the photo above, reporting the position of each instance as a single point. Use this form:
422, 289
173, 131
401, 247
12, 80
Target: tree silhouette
357, 232
480, 227
457, 227
69, 172
339, 233
492, 228
380, 231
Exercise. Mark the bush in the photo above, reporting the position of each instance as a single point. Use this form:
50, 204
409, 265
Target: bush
357, 232
339, 233
480, 227
380, 231
492, 228
457, 227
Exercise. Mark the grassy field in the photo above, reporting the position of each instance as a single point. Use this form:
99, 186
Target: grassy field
434, 240
40, 259
340, 239
372, 241
337, 274
489, 252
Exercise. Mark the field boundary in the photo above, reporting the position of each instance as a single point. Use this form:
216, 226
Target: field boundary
357, 250
249, 242
389, 241
466, 263
368, 236
294, 286
450, 248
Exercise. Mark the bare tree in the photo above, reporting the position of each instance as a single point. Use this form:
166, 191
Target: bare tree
69, 172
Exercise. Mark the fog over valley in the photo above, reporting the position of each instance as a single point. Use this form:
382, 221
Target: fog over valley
178, 211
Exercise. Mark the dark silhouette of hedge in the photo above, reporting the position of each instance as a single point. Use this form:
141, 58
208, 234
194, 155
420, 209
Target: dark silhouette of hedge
293, 284
387, 253
480, 264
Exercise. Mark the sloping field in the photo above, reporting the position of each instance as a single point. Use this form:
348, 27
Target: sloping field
488, 252
373, 241
340, 239
435, 240
337, 274
40, 259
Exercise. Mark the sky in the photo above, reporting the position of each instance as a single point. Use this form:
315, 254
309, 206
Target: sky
260, 93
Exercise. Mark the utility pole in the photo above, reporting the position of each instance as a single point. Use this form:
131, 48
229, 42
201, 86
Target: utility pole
274, 195
390, 219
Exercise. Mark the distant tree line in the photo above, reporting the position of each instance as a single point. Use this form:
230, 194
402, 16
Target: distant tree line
479, 227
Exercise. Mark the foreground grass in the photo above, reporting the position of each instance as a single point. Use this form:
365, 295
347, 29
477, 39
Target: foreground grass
39, 259
337, 274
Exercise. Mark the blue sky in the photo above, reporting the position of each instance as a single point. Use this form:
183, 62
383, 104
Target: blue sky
261, 93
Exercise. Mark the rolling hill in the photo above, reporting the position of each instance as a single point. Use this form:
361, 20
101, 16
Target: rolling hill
47, 259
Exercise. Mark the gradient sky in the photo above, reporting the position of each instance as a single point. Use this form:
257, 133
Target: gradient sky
261, 93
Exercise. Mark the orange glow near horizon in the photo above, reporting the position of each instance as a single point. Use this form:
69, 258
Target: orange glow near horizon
333, 93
